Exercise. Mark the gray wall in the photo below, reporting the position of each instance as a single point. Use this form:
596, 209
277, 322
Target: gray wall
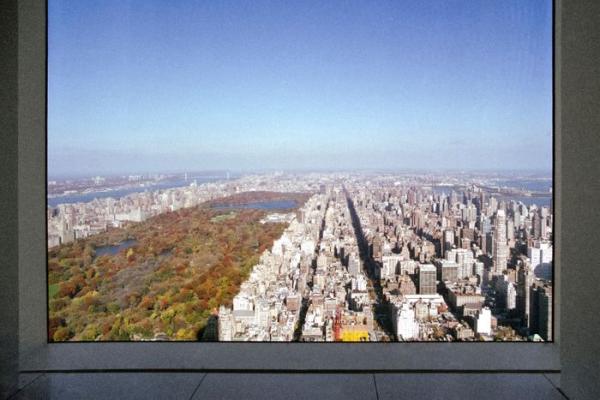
32, 176
580, 86
9, 305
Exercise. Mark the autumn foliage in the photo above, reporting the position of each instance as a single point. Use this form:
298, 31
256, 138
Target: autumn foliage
179, 267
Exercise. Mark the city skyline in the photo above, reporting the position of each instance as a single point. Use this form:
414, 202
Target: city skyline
392, 86
302, 257
505, 173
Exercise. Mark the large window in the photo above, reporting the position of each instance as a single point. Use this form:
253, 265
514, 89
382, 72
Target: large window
311, 172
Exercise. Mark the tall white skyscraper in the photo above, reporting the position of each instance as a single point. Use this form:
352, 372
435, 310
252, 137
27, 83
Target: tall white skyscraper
540, 255
407, 326
483, 322
500, 246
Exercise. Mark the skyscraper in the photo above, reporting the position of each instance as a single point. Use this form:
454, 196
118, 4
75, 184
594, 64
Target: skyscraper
500, 247
524, 282
537, 225
540, 310
448, 241
483, 322
427, 279
540, 254
545, 310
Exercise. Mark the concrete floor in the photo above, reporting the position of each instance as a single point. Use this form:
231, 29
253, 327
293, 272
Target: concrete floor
364, 386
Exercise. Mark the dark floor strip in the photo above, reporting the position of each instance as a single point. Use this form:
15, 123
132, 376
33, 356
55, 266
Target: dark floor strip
296, 371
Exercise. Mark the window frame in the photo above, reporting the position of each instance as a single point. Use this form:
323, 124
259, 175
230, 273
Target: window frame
36, 354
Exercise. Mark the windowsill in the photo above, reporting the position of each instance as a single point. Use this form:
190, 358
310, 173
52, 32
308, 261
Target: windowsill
541, 357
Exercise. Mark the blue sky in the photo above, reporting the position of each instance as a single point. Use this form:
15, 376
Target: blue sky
137, 86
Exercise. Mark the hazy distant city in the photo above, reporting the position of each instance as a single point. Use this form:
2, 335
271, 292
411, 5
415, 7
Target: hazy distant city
311, 171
